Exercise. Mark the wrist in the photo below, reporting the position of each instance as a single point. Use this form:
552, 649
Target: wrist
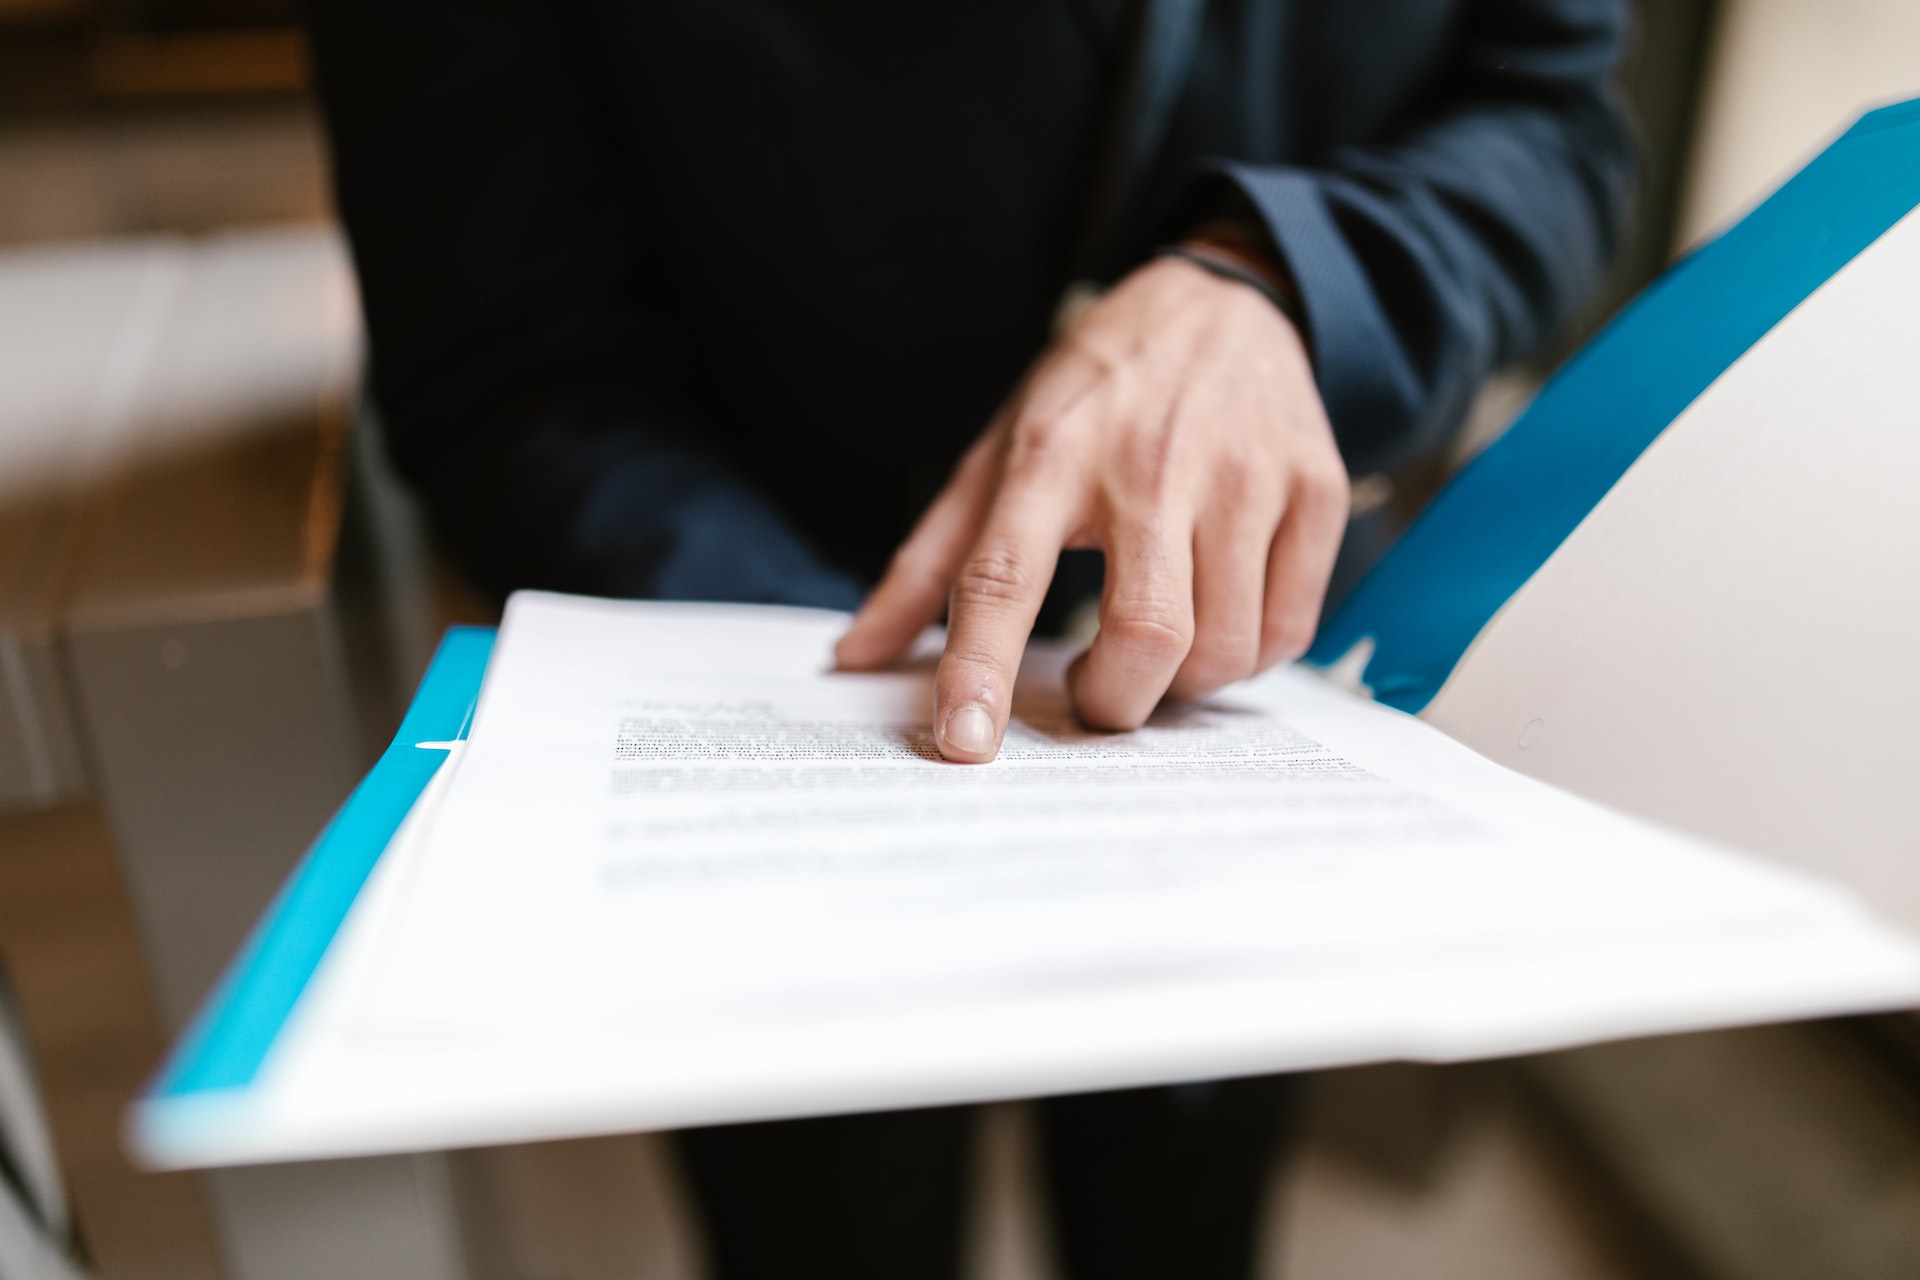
1232, 253
1234, 242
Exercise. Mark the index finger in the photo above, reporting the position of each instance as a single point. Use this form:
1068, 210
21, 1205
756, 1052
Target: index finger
909, 598
996, 597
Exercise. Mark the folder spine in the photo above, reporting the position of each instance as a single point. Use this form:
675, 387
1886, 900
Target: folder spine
231, 1037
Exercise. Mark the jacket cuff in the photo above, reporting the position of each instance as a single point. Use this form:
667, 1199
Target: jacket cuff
1356, 352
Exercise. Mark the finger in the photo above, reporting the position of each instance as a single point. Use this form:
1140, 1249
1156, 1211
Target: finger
911, 596
1230, 552
996, 596
1146, 623
1301, 564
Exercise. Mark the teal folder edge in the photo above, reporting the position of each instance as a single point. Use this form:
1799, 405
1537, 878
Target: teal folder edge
1496, 523
227, 1043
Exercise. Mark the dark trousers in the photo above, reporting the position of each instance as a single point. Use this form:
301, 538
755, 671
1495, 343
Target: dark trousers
1141, 1183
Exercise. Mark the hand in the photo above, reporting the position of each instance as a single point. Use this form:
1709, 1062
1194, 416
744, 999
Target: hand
1176, 427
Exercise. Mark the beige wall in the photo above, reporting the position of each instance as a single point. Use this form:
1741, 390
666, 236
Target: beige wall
1784, 78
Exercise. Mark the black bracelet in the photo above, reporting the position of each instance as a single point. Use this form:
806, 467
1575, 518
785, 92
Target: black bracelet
1227, 269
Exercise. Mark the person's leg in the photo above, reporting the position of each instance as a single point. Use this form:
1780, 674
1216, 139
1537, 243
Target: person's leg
847, 1197
1161, 1182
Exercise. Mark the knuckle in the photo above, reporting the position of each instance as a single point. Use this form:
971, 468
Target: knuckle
1093, 346
1289, 634
1214, 664
1038, 443
1150, 630
1242, 478
1234, 467
993, 578
1325, 488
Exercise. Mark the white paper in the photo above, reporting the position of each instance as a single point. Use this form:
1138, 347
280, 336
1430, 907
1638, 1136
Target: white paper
683, 872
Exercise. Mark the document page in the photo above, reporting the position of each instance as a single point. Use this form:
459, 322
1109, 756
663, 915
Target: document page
682, 871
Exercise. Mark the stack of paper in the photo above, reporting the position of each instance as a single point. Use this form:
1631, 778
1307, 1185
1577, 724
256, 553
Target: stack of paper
681, 871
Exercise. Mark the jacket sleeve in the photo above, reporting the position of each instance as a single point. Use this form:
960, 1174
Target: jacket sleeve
527, 382
1464, 238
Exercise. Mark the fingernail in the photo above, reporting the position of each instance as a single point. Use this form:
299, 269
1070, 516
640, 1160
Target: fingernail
970, 729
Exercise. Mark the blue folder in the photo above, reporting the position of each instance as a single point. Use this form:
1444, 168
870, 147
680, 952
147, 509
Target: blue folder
224, 1047
1507, 511
1477, 544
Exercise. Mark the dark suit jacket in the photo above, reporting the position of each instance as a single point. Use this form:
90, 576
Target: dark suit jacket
704, 297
